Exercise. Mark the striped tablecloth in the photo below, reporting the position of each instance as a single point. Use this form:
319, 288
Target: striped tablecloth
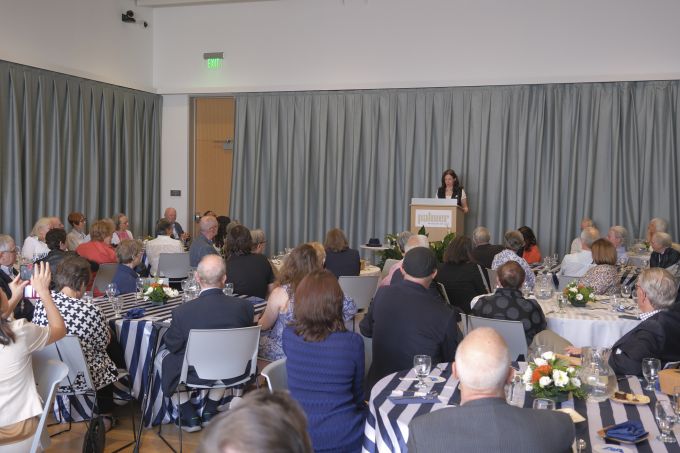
137, 338
386, 428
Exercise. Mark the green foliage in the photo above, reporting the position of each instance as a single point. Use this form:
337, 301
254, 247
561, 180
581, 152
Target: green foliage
394, 252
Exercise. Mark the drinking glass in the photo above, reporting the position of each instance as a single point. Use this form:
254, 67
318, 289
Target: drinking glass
625, 291
422, 365
561, 303
117, 305
544, 403
526, 290
650, 370
514, 392
537, 351
675, 399
140, 286
644, 263
228, 289
87, 297
186, 283
111, 290
665, 418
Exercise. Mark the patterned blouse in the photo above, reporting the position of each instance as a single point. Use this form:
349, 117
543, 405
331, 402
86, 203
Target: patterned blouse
603, 278
508, 255
87, 322
271, 341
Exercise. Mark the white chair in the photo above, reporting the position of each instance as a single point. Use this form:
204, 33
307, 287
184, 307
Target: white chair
463, 324
387, 266
511, 331
173, 265
104, 276
48, 373
236, 365
360, 289
276, 375
493, 279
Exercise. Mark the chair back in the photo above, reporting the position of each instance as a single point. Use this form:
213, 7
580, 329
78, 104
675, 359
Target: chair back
563, 281
276, 375
68, 350
463, 324
511, 331
493, 279
104, 276
202, 350
48, 374
442, 292
360, 289
173, 265
387, 266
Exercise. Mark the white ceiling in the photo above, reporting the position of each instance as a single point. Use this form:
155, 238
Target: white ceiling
154, 3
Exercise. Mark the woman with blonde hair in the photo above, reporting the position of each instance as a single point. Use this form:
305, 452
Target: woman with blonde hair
35, 247
121, 233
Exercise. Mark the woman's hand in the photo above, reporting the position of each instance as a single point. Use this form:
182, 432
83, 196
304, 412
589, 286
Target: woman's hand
42, 276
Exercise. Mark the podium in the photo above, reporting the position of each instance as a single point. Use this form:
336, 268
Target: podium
439, 216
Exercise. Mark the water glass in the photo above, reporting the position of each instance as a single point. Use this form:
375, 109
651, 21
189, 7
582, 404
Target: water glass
537, 351
526, 290
675, 400
625, 291
544, 404
514, 392
228, 289
140, 286
111, 290
422, 365
117, 305
87, 297
561, 303
650, 370
665, 418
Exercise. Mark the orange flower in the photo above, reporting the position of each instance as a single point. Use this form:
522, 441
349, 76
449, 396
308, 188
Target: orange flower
540, 371
155, 285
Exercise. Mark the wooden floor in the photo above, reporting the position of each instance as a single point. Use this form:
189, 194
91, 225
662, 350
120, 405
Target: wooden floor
122, 434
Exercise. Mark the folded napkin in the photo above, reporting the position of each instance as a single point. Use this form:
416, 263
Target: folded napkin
431, 399
134, 313
629, 431
631, 317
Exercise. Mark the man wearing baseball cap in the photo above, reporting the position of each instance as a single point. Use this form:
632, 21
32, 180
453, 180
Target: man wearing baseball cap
406, 319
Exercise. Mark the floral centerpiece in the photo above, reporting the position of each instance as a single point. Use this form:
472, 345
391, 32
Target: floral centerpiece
550, 377
579, 295
157, 292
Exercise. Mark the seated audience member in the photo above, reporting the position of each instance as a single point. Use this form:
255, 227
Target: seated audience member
507, 302
656, 225
99, 249
303, 260
281, 426
77, 235
259, 241
170, 215
212, 309
20, 404
618, 235
461, 278
202, 244
530, 252
251, 273
88, 323
221, 237
576, 244
604, 276
22, 307
129, 253
663, 254
163, 243
577, 264
325, 365
483, 252
121, 233
414, 240
340, 259
34, 246
484, 422
514, 242
406, 319
56, 241
656, 336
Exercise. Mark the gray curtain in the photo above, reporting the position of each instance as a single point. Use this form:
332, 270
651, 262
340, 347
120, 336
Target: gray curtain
538, 155
69, 144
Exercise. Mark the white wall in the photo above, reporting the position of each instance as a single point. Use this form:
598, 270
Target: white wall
341, 44
174, 156
85, 38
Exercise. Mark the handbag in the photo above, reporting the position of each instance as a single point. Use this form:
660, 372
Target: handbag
95, 437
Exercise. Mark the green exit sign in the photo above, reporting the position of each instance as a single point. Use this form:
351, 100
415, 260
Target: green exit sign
213, 59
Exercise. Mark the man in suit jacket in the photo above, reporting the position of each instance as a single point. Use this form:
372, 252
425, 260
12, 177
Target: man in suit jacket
484, 252
8, 257
202, 244
170, 214
210, 310
484, 422
657, 335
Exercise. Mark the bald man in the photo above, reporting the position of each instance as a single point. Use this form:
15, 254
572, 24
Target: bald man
484, 422
170, 214
203, 245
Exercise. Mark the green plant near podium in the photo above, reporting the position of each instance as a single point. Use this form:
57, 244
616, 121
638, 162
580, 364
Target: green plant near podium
393, 252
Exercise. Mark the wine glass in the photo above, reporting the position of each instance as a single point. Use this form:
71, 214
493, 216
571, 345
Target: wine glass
650, 370
87, 297
675, 400
139, 283
422, 365
111, 290
544, 404
625, 291
665, 418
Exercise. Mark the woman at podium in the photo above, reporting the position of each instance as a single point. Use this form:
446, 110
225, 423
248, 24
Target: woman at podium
451, 188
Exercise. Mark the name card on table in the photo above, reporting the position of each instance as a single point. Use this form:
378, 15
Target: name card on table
433, 218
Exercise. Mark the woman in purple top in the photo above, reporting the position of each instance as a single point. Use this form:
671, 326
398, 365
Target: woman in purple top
325, 365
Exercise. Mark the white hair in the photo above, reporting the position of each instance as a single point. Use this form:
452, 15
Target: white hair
483, 360
207, 222
659, 286
211, 270
417, 240
660, 225
481, 235
619, 232
589, 235
662, 239
6, 243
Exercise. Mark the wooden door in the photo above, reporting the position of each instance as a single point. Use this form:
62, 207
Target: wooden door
213, 155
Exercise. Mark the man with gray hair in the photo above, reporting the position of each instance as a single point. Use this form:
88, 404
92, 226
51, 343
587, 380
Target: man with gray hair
202, 245
663, 254
259, 241
484, 422
577, 264
212, 309
484, 252
576, 244
415, 240
656, 225
618, 235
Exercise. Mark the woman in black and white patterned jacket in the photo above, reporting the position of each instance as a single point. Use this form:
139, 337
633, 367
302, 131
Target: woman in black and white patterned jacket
88, 323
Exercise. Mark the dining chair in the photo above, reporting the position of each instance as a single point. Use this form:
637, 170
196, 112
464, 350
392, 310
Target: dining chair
104, 276
511, 331
276, 375
173, 265
360, 289
493, 279
387, 266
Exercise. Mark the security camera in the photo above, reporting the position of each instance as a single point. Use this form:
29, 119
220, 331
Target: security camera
129, 17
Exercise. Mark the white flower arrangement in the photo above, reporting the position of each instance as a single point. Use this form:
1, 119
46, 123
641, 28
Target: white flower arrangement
548, 376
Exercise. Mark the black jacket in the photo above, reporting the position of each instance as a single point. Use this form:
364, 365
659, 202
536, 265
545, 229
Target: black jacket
483, 254
343, 263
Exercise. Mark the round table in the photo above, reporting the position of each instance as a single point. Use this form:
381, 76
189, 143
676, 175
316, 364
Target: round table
367, 271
